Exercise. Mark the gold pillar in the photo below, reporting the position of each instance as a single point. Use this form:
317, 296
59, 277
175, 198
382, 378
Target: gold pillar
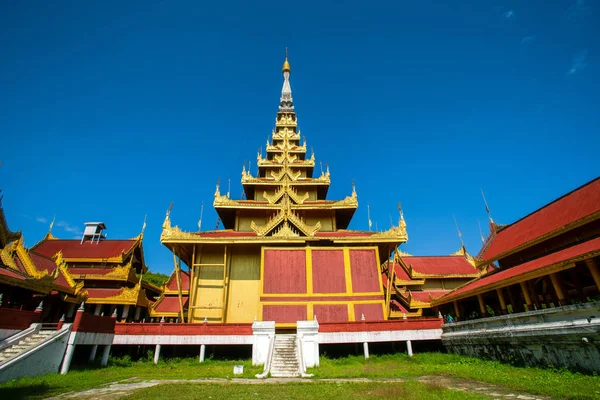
481, 305
558, 288
502, 302
456, 309
526, 295
593, 267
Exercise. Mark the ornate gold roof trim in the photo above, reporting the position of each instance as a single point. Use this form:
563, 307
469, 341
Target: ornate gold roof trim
6, 235
128, 296
28, 264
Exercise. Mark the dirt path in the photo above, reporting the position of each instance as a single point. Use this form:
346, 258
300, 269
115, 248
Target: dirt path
119, 389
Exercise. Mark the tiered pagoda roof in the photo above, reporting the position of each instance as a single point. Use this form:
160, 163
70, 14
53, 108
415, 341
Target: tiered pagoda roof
285, 189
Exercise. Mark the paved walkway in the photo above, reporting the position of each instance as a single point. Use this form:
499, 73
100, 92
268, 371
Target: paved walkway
123, 388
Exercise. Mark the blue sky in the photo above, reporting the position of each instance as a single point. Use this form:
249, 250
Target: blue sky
111, 110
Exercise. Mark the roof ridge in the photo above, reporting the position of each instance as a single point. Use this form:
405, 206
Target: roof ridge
504, 227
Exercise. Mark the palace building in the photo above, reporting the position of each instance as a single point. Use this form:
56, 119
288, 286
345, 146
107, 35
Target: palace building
546, 259
109, 271
105, 274
285, 253
285, 273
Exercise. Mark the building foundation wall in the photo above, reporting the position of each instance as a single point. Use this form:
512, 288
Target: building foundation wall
566, 337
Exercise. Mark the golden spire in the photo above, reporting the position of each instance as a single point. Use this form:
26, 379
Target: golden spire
286, 64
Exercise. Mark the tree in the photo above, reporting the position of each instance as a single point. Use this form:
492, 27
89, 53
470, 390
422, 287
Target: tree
155, 278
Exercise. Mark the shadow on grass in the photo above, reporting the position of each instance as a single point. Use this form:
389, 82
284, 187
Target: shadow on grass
26, 391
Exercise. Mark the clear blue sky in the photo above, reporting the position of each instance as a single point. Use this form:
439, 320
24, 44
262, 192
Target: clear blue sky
111, 110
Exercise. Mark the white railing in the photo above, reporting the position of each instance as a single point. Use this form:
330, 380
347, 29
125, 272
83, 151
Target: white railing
16, 338
301, 366
267, 367
64, 331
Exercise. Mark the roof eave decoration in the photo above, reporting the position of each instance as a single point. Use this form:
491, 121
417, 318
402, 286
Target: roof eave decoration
128, 296
23, 254
43, 286
168, 314
61, 266
6, 235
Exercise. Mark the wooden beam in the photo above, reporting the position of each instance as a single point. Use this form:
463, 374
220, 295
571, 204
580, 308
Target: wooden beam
558, 288
481, 305
502, 302
526, 295
177, 262
593, 267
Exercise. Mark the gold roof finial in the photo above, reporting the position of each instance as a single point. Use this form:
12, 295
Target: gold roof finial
286, 64
462, 243
51, 225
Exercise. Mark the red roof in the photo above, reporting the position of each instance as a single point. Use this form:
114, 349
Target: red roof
401, 272
101, 293
569, 208
185, 281
11, 273
90, 271
42, 263
170, 304
75, 249
423, 295
396, 306
440, 265
344, 233
534, 265
225, 233
62, 281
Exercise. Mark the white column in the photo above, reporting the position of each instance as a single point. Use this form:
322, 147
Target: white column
66, 364
409, 348
202, 352
98, 309
262, 332
93, 352
125, 312
156, 353
138, 311
366, 349
308, 332
105, 355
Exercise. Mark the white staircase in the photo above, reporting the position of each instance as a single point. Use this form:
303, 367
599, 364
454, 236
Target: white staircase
284, 363
24, 345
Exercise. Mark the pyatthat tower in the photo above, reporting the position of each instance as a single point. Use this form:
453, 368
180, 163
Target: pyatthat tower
285, 254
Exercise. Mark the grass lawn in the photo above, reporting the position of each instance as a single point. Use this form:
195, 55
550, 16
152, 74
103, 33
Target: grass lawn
326, 391
558, 384
79, 378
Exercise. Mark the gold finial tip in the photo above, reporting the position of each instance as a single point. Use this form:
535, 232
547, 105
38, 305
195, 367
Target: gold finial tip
286, 63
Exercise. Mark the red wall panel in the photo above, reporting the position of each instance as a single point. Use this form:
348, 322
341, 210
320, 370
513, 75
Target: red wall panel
331, 312
285, 271
372, 312
365, 275
284, 313
328, 271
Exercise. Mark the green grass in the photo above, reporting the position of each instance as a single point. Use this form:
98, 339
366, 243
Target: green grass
560, 384
410, 390
556, 383
79, 379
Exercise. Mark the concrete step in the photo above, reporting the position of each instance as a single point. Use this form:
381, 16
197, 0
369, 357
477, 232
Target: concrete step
284, 373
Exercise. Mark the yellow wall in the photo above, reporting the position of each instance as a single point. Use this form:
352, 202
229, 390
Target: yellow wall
244, 284
245, 221
324, 217
208, 285
448, 283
